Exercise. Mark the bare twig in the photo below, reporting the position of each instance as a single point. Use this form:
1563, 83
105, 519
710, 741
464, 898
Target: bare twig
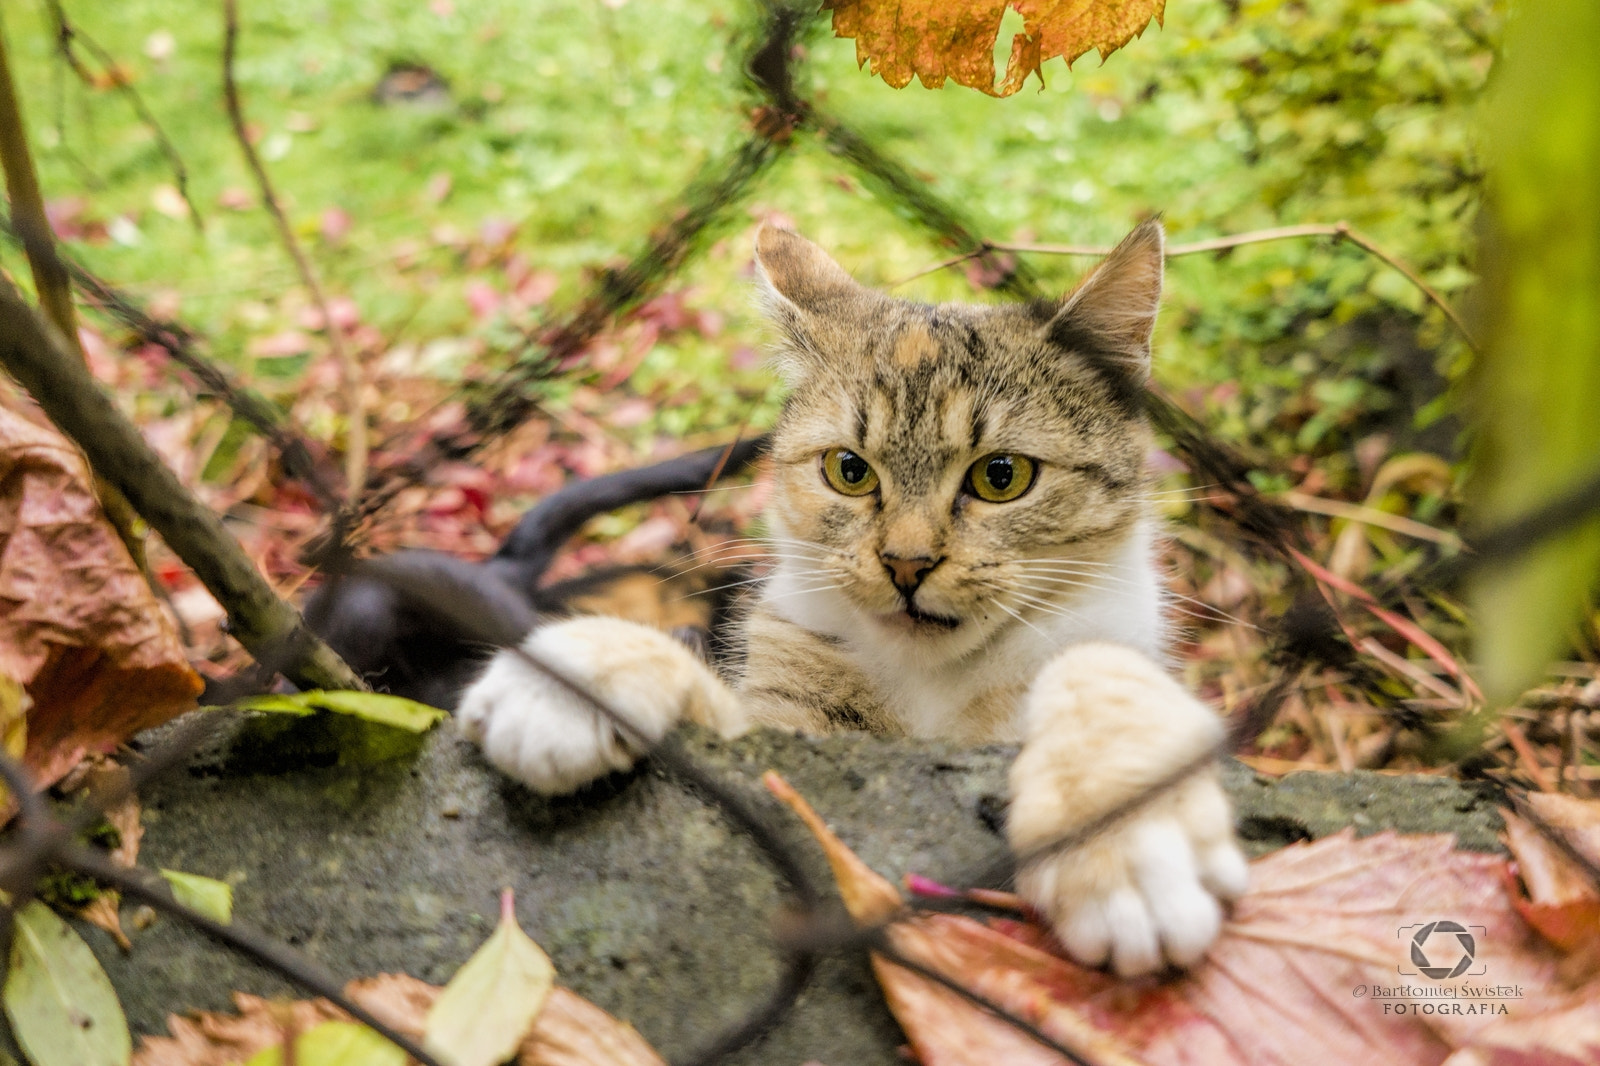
67, 34
39, 357
46, 841
1338, 230
251, 943
353, 380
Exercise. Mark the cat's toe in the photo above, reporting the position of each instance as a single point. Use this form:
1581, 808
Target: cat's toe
1136, 899
1186, 915
1224, 870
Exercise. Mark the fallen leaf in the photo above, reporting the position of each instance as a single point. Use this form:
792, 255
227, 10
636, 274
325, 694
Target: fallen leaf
377, 707
14, 705
215, 1039
570, 1031
937, 39
334, 1044
210, 897
81, 629
103, 911
1560, 902
491, 1003
59, 1001
1332, 949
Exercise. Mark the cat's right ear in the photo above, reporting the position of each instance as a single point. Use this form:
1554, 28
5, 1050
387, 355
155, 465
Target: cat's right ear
803, 292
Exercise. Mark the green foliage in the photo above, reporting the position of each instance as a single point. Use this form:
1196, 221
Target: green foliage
1536, 388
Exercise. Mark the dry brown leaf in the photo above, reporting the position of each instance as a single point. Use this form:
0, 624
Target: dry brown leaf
1315, 957
570, 1031
937, 39
1561, 901
79, 627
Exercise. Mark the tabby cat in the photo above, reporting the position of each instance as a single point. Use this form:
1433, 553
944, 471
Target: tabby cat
963, 548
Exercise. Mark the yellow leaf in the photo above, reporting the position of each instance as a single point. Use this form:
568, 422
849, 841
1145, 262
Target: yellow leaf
492, 1003
335, 1044
937, 39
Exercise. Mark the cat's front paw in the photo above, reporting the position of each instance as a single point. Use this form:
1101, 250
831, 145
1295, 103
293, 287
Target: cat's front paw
537, 730
1104, 725
1145, 894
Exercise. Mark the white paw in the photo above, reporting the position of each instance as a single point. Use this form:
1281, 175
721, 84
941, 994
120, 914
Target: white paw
1146, 894
538, 731
1104, 724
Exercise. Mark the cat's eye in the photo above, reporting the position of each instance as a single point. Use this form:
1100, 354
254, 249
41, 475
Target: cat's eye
1001, 477
848, 473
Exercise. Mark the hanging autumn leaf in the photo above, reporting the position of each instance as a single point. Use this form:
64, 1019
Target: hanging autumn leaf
1317, 956
79, 626
937, 39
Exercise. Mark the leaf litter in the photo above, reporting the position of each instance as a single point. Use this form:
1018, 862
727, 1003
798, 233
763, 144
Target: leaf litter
502, 1005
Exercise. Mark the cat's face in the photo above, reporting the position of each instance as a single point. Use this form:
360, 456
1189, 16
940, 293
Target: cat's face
951, 470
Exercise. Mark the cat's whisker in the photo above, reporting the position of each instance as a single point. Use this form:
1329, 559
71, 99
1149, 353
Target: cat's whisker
1018, 617
1207, 612
799, 592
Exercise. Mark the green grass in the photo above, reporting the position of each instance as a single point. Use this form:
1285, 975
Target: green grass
576, 123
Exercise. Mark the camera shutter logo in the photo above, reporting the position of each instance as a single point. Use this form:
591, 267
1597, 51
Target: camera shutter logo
1449, 943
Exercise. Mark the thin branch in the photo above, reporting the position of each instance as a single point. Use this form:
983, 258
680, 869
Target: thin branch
1340, 231
1028, 1029
266, 417
39, 357
353, 380
27, 211
249, 942
50, 279
66, 34
46, 840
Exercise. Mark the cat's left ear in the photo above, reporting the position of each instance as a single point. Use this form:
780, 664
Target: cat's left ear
811, 299
1110, 316
798, 273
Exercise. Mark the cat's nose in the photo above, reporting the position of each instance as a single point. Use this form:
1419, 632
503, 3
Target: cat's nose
907, 574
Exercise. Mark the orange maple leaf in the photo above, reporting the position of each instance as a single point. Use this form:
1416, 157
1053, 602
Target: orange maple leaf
932, 40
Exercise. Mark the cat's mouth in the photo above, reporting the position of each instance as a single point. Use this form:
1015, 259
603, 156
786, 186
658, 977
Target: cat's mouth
913, 618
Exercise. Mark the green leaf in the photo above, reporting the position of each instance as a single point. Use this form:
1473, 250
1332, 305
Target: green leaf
1536, 384
210, 897
490, 1005
62, 1007
377, 707
335, 1044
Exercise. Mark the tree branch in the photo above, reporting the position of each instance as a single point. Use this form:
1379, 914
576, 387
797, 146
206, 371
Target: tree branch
49, 275
355, 466
39, 357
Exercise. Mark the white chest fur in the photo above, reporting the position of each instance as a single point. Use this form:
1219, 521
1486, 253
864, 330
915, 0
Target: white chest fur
929, 692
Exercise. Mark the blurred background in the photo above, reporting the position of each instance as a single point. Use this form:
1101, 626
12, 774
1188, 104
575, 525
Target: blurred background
462, 175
